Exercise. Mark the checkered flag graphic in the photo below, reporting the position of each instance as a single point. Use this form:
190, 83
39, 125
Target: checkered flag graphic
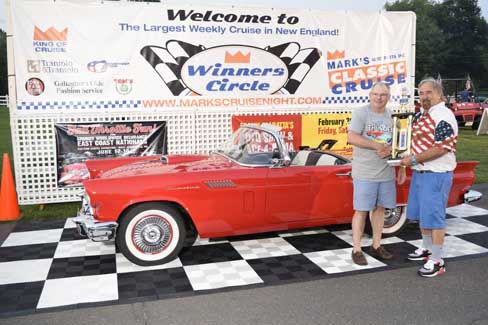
167, 62
285, 51
299, 63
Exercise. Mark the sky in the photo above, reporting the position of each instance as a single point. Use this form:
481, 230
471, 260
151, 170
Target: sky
370, 5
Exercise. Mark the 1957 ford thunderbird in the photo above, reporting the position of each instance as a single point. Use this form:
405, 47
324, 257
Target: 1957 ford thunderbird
155, 205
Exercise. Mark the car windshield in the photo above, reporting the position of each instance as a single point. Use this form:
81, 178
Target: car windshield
251, 146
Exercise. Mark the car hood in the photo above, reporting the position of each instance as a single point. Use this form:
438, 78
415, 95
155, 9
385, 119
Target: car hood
156, 166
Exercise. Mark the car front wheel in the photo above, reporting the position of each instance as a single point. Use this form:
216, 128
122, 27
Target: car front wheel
395, 221
151, 234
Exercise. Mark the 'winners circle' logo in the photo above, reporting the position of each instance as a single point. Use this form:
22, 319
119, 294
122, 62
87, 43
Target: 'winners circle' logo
228, 70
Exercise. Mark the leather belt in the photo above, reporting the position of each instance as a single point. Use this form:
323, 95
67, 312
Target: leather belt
429, 171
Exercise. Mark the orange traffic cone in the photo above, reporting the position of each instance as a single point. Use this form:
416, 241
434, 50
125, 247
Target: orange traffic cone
9, 206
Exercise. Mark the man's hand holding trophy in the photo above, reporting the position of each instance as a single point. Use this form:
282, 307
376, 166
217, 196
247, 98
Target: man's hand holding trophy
402, 131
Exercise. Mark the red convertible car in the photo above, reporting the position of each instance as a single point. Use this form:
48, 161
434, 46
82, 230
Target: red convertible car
153, 206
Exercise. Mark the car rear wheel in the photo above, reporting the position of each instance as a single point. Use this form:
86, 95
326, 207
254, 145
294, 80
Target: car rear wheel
151, 234
395, 221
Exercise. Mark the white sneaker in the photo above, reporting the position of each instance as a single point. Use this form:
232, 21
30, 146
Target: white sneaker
432, 268
420, 254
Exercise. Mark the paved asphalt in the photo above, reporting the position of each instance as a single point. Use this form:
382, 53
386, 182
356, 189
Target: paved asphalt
389, 297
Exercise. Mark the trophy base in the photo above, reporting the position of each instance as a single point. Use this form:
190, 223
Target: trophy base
394, 162
403, 115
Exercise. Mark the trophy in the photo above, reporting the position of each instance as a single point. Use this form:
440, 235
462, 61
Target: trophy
402, 132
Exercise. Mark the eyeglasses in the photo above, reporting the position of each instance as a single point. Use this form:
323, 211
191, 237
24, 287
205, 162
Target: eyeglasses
379, 95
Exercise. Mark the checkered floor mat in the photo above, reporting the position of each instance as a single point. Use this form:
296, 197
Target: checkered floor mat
46, 265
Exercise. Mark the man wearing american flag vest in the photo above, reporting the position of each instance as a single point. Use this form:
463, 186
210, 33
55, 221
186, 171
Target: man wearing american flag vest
433, 160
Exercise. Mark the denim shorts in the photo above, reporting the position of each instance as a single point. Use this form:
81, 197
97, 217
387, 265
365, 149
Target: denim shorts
368, 195
427, 199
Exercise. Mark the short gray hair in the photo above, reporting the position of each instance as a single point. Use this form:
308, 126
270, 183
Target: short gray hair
437, 86
381, 83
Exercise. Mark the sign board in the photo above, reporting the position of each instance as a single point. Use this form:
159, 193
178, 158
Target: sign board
132, 56
77, 143
483, 127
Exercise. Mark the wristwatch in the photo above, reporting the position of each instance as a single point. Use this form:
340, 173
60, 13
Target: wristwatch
414, 161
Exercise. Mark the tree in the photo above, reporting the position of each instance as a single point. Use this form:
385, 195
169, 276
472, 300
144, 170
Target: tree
466, 37
452, 38
3, 64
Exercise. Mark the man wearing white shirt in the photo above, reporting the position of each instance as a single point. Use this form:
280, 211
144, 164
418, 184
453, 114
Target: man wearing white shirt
433, 160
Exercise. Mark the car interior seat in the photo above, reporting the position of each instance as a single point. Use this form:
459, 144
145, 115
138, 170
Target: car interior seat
300, 158
327, 160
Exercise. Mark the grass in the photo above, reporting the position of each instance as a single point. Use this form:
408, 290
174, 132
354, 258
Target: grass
469, 147
473, 147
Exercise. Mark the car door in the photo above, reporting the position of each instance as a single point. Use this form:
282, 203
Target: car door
309, 192
289, 193
334, 196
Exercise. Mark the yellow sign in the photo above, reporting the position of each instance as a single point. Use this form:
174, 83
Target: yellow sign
319, 127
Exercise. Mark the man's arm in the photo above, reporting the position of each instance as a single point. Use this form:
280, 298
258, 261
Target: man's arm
430, 154
362, 142
359, 141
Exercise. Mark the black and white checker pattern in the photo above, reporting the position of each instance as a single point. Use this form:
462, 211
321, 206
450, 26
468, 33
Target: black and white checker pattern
168, 61
45, 265
298, 61
354, 99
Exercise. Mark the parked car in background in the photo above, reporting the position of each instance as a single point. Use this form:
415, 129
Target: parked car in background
463, 99
469, 113
155, 205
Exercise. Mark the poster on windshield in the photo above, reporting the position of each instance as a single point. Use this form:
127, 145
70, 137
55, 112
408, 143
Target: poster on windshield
163, 56
77, 143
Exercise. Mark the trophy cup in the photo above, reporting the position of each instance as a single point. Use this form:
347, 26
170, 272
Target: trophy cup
402, 132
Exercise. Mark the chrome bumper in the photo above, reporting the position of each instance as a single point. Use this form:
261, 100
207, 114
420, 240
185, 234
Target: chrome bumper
471, 196
97, 231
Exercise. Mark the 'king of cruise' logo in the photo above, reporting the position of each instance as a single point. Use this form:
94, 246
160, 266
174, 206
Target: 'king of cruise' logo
231, 70
50, 40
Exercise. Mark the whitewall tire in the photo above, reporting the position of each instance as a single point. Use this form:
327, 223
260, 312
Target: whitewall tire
151, 234
395, 221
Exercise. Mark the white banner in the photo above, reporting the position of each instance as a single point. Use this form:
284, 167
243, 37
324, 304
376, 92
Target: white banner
136, 56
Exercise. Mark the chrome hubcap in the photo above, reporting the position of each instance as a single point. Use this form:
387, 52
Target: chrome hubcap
152, 234
392, 216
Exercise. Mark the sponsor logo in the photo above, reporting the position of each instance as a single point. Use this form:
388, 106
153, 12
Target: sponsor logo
51, 34
352, 74
51, 66
103, 65
34, 86
71, 87
50, 40
123, 86
33, 66
336, 55
231, 70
